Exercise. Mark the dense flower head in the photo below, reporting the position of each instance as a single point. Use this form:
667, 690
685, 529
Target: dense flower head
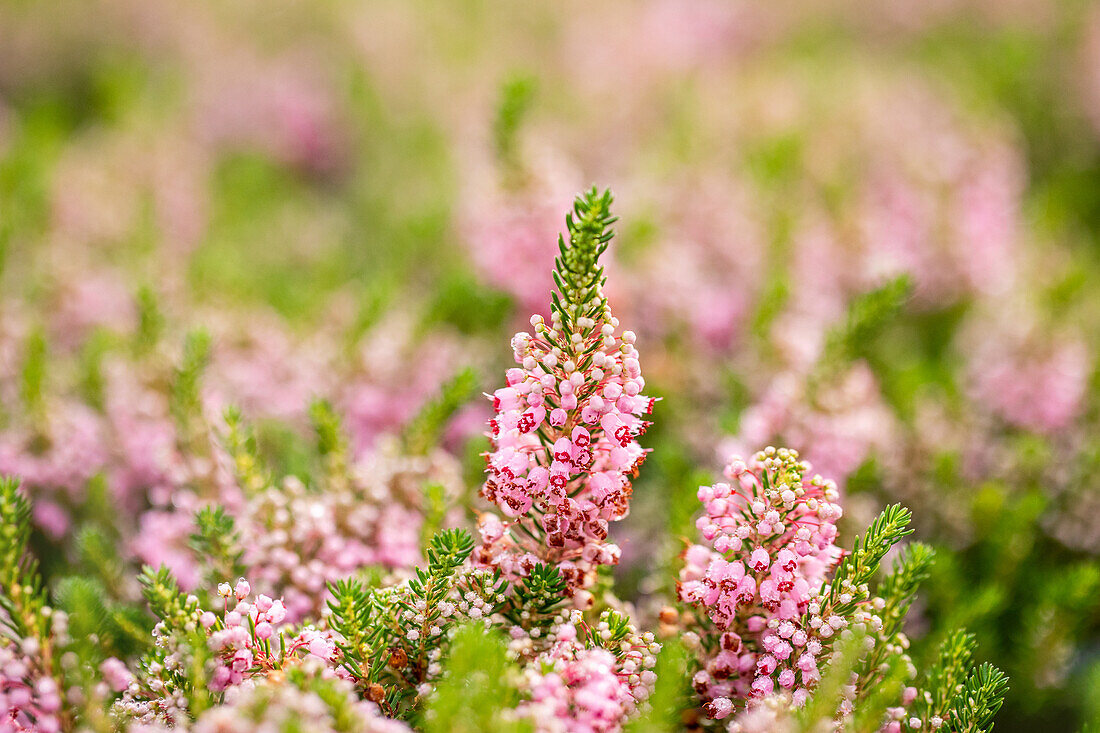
771, 535
578, 686
564, 434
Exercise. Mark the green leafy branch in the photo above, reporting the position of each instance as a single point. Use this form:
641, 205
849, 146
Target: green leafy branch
536, 598
849, 584
578, 276
981, 697
21, 594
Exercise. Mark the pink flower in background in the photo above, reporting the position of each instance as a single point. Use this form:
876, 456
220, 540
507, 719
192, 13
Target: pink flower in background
838, 429
283, 107
702, 270
510, 227
1029, 377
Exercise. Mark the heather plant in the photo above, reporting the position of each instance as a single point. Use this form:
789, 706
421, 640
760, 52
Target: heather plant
297, 618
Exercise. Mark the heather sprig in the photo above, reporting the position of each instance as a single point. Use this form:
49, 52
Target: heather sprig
516, 97
564, 436
849, 586
406, 642
945, 678
217, 543
21, 594
186, 390
536, 598
975, 705
240, 443
332, 441
34, 373
32, 635
166, 601
897, 589
351, 608
866, 316
895, 594
578, 276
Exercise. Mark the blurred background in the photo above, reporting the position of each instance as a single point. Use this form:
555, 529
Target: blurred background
868, 231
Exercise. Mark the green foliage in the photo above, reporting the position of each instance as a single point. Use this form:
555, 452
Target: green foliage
474, 690
186, 390
351, 606
981, 697
516, 96
217, 545
410, 627
91, 368
423, 431
99, 556
240, 442
866, 317
879, 669
446, 552
33, 376
944, 677
862, 563
100, 628
464, 303
612, 629
22, 597
898, 588
537, 597
166, 601
151, 321
578, 276
332, 441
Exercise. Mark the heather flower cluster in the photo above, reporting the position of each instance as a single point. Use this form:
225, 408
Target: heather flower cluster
30, 697
354, 619
593, 686
780, 531
564, 433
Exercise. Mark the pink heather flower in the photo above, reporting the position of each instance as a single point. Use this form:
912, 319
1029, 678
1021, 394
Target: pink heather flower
587, 689
1030, 378
564, 483
269, 705
772, 543
116, 674
710, 237
510, 229
30, 699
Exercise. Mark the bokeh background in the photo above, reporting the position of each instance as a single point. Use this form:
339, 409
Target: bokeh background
868, 231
